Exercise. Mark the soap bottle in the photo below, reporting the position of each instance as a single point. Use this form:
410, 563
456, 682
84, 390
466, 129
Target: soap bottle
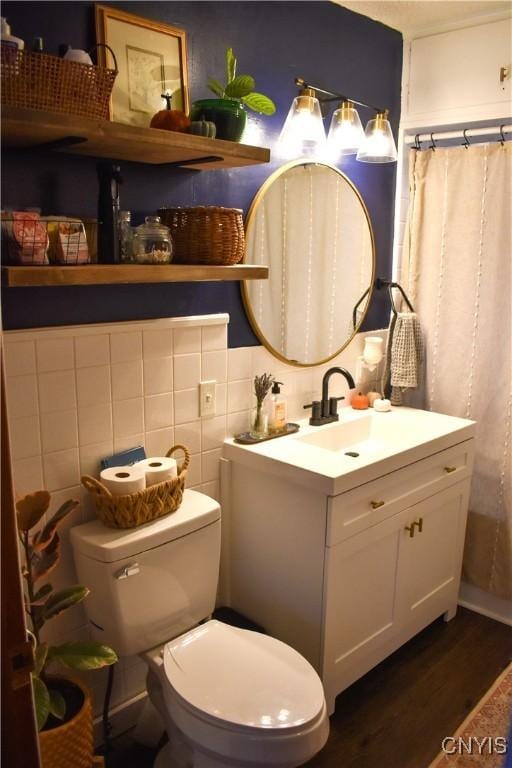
277, 421
10, 41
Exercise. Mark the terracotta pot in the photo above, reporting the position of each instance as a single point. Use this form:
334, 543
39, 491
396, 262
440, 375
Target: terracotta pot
70, 745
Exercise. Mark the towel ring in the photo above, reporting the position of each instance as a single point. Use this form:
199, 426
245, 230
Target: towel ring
502, 141
466, 143
432, 143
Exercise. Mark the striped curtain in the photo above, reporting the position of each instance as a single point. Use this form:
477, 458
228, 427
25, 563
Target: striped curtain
457, 271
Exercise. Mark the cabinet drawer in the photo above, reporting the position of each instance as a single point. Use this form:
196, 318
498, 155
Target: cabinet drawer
369, 504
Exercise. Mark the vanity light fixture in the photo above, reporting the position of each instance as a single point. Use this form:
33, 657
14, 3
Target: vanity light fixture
303, 131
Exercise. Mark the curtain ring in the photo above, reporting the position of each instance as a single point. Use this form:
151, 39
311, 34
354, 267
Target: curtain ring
417, 143
502, 142
432, 143
466, 140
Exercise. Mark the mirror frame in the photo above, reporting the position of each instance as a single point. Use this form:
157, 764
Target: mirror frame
249, 222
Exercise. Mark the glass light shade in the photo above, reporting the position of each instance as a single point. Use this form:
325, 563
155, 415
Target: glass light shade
346, 132
303, 131
373, 351
378, 145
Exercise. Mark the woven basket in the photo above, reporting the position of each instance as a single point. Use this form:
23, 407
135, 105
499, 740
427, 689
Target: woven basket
40, 81
138, 508
205, 234
70, 745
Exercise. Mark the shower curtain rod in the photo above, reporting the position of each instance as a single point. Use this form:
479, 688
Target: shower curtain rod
459, 134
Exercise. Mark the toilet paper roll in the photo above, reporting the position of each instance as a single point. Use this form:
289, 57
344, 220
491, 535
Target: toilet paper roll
123, 480
158, 469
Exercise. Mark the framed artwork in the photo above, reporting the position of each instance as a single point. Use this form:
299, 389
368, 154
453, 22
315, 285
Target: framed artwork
151, 59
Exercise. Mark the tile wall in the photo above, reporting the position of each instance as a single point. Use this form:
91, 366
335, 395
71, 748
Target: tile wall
80, 393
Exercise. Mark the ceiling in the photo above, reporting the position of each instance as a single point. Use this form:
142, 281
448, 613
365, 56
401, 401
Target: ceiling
414, 15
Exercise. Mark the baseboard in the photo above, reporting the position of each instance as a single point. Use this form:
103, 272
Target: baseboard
122, 717
486, 604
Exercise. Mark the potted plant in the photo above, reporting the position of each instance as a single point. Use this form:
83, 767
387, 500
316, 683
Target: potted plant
62, 703
227, 111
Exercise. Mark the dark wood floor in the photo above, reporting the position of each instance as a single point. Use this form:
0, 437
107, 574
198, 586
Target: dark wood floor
397, 715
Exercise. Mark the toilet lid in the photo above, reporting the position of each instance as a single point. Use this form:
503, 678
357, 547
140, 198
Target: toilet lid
243, 677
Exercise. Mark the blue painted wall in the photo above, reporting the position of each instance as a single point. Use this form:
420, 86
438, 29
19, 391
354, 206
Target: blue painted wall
275, 42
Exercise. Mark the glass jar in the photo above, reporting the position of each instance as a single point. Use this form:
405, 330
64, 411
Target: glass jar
152, 242
125, 232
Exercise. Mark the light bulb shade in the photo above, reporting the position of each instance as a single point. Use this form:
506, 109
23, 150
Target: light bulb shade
303, 131
378, 145
346, 132
373, 350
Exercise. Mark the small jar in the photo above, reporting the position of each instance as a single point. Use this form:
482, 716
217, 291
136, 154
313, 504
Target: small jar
152, 242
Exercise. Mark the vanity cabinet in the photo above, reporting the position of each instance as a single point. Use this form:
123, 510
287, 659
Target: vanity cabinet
348, 579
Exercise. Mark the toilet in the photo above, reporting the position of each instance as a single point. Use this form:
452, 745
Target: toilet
227, 696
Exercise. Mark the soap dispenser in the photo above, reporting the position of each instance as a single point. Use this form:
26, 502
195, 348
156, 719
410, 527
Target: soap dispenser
277, 421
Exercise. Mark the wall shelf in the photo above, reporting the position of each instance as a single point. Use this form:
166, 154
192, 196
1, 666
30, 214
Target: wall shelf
114, 274
29, 128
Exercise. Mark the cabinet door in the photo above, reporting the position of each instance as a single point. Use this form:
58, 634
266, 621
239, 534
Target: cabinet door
430, 562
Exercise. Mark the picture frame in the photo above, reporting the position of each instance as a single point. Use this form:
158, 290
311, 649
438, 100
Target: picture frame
152, 60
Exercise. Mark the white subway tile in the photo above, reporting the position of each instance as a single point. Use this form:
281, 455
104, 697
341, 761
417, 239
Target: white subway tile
27, 475
187, 340
213, 432
186, 405
87, 506
61, 469
238, 422
20, 358
125, 346
194, 471
127, 380
95, 424
214, 366
57, 391
157, 343
157, 375
187, 371
158, 442
210, 465
55, 354
128, 441
214, 337
22, 396
91, 456
240, 363
93, 385
158, 411
59, 430
24, 437
212, 490
221, 399
239, 396
128, 417
92, 350
189, 435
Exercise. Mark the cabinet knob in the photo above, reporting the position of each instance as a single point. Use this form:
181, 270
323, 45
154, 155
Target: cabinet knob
419, 523
410, 528
504, 72
377, 504
449, 470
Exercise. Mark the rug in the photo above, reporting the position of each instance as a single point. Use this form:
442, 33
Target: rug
483, 737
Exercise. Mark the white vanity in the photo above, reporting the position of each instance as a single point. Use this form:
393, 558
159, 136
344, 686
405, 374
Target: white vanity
346, 557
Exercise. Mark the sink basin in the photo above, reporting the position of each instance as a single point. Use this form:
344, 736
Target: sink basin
361, 446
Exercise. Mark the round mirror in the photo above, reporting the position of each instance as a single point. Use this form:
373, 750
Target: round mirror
309, 225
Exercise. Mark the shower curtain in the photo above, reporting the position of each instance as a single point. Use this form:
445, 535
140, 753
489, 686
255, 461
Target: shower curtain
456, 268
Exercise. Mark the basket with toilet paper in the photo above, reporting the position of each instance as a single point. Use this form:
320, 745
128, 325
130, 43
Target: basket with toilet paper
126, 497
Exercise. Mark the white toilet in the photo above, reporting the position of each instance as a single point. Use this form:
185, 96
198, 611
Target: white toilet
227, 696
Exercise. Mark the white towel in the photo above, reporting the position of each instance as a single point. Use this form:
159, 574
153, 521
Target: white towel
405, 355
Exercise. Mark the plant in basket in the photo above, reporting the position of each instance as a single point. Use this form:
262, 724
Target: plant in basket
62, 703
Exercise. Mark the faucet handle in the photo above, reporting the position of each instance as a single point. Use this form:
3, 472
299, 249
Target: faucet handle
316, 409
333, 405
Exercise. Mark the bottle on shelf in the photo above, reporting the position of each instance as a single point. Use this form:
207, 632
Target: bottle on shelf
10, 42
125, 237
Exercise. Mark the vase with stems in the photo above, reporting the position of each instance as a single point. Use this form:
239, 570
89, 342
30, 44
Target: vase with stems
259, 421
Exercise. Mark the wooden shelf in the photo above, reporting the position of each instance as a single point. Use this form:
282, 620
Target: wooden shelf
29, 128
114, 274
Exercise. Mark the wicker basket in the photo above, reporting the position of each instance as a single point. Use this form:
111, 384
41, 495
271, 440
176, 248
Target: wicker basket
70, 745
205, 234
139, 508
40, 81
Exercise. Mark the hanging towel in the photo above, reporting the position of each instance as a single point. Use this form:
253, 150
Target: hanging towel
404, 355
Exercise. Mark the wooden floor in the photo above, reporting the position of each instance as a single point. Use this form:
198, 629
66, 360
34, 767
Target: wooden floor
397, 715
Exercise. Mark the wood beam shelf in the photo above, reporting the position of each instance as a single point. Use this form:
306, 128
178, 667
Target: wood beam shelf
29, 128
114, 274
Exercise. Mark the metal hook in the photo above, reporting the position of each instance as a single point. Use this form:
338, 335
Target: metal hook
432, 144
417, 143
502, 142
466, 140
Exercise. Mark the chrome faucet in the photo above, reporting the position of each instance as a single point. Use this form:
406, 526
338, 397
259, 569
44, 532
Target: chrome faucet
326, 410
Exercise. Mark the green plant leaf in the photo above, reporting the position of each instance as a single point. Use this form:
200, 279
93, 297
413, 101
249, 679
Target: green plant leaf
40, 655
82, 655
230, 65
57, 704
42, 539
240, 86
64, 599
31, 508
45, 561
259, 103
216, 87
41, 595
41, 701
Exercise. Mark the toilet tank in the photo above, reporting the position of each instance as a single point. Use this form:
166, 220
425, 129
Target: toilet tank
152, 583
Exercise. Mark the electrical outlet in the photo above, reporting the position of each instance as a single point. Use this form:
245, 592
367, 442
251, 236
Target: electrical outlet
207, 398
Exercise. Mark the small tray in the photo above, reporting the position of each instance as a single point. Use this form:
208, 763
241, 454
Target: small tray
245, 438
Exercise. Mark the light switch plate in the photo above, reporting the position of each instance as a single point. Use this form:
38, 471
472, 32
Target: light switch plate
207, 397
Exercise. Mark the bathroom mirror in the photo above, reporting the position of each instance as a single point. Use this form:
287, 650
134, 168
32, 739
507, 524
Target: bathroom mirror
310, 226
